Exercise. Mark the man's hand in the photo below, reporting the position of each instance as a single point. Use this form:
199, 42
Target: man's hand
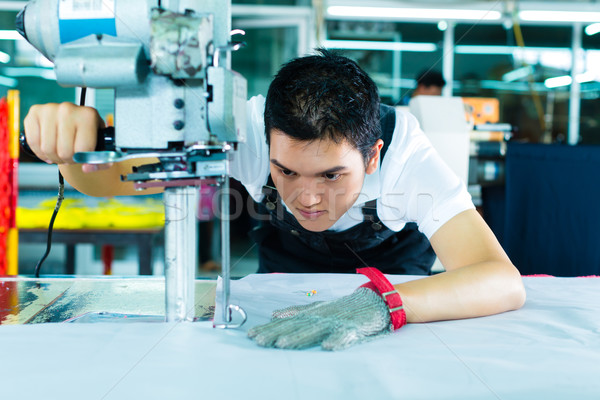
335, 325
55, 132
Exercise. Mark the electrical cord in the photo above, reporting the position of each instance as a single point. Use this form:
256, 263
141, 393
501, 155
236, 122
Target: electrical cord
59, 200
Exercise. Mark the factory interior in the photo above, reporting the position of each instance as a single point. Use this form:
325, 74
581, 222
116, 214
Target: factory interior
166, 290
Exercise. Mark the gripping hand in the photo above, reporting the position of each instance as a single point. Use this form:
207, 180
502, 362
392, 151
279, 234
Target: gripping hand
335, 325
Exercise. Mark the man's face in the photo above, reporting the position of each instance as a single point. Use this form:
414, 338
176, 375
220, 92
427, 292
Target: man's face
319, 180
431, 90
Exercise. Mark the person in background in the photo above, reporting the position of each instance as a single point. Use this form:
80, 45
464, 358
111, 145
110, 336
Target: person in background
429, 83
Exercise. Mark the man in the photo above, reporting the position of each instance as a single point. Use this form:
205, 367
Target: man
344, 181
429, 83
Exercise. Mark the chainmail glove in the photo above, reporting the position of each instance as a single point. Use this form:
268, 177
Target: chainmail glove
336, 325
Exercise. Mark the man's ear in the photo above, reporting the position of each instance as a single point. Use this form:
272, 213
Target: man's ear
373, 162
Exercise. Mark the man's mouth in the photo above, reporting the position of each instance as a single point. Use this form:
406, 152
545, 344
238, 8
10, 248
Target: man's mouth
310, 215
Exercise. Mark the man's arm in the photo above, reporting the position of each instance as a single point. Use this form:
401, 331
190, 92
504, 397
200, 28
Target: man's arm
479, 280
106, 180
55, 132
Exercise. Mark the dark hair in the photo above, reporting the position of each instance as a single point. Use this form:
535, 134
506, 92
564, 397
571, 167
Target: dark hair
431, 78
324, 96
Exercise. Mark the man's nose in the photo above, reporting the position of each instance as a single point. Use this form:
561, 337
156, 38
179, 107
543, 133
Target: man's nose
311, 192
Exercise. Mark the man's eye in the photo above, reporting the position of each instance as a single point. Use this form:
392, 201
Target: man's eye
332, 177
287, 172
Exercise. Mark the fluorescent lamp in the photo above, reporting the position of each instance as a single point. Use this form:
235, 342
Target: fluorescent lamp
566, 80
4, 57
412, 13
592, 29
10, 35
43, 73
508, 50
518, 73
467, 49
12, 5
558, 81
559, 16
375, 45
512, 86
585, 77
8, 82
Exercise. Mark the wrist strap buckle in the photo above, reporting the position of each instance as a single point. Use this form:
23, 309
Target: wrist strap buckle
386, 294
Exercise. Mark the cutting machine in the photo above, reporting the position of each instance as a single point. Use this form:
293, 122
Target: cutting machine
176, 100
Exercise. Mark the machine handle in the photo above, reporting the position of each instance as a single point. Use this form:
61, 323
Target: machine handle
105, 142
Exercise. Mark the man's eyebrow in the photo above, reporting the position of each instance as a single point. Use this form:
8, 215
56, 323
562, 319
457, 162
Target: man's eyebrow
328, 171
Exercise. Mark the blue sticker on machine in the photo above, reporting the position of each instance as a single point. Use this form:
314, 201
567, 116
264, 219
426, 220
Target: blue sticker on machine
73, 29
81, 18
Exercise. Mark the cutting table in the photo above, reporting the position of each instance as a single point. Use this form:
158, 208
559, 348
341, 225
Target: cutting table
549, 349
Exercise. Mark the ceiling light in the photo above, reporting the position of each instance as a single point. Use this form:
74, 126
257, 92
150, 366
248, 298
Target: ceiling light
507, 50
566, 80
375, 45
559, 16
17, 72
558, 81
586, 77
475, 49
517, 74
4, 57
8, 82
10, 35
592, 29
412, 13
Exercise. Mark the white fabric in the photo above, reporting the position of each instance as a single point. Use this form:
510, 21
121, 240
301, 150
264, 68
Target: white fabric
412, 185
550, 349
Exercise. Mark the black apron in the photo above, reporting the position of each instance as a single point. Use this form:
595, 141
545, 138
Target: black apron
285, 246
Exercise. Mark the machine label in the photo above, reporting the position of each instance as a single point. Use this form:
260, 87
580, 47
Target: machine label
80, 18
86, 9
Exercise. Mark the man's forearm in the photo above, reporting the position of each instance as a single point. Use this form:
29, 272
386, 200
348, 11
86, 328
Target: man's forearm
472, 291
104, 182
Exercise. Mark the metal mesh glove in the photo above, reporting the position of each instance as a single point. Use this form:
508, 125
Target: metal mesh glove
335, 325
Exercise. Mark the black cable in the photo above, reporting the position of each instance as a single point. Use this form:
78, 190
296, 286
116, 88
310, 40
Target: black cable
59, 200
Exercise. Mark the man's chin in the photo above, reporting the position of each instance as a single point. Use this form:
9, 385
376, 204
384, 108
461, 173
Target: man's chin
315, 226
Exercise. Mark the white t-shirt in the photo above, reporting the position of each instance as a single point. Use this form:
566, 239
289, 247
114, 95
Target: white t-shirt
413, 184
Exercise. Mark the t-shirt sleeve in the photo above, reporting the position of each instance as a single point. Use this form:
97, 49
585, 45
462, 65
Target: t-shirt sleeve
250, 162
417, 185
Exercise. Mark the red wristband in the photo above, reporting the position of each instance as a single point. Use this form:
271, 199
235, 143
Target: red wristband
380, 285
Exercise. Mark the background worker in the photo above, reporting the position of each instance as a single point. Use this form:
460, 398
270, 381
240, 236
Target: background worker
429, 83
